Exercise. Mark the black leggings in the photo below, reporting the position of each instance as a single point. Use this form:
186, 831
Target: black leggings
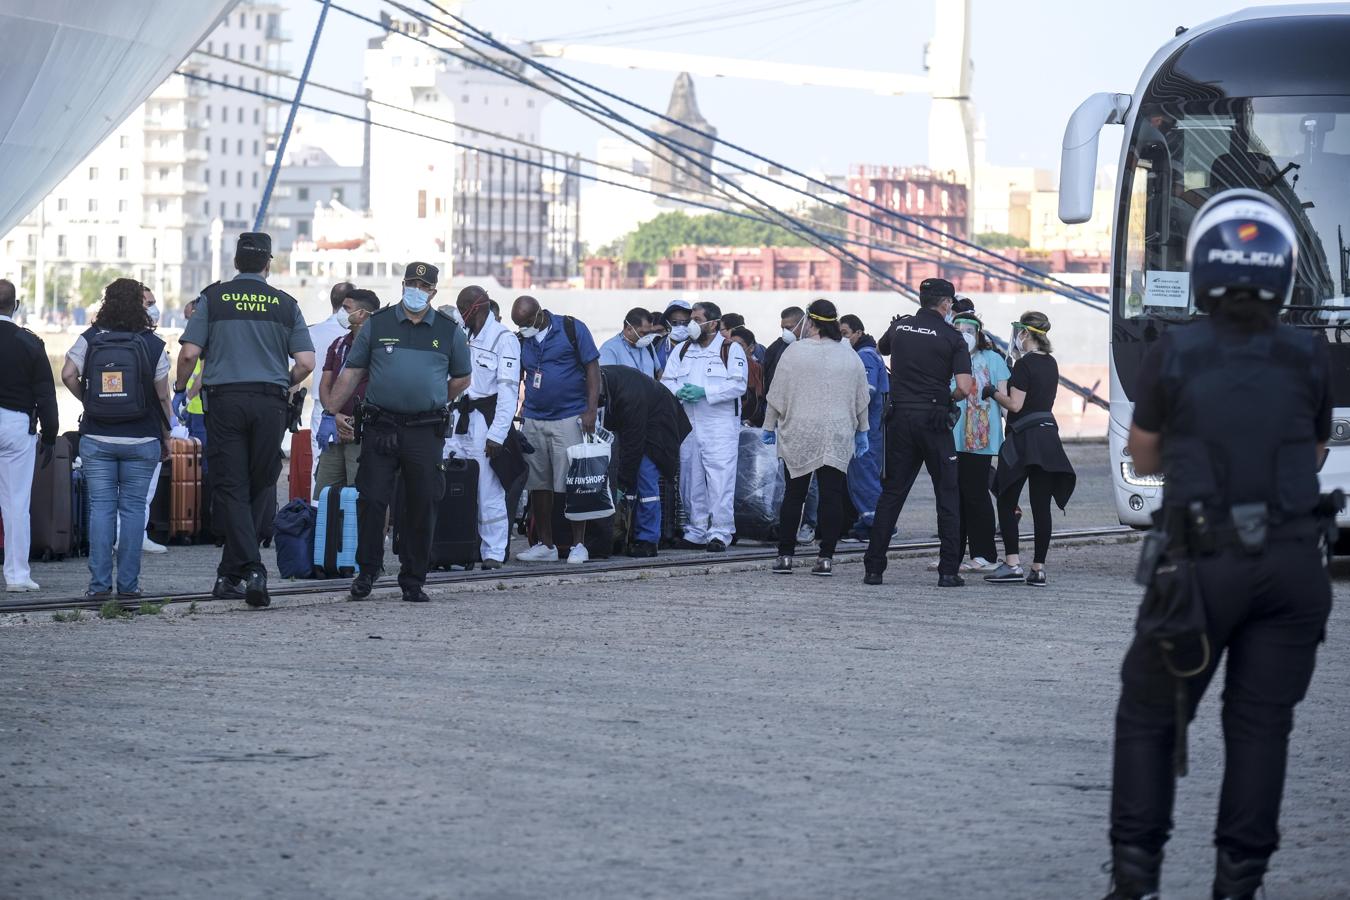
977, 504
829, 517
1040, 483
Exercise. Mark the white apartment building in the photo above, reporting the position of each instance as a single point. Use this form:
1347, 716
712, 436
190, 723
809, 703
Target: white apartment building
469, 209
143, 201
309, 180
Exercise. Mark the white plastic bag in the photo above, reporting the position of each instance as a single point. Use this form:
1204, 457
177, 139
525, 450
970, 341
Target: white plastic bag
588, 496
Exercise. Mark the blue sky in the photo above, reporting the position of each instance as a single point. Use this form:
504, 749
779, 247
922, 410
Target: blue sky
1034, 62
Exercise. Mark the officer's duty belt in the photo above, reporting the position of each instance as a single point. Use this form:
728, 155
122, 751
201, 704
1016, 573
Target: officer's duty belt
247, 387
375, 415
918, 404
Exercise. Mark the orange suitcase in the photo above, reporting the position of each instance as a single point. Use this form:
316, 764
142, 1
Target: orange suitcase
185, 498
302, 461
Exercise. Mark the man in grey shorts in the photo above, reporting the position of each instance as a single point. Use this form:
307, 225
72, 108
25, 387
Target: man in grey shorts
561, 369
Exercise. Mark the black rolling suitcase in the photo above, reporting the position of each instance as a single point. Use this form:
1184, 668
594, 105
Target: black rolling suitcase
455, 542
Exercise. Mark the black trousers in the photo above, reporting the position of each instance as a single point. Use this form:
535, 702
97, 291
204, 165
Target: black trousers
977, 504
243, 450
1269, 613
829, 513
914, 439
417, 453
1040, 483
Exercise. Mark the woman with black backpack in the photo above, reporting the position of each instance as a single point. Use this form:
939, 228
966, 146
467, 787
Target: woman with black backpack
119, 370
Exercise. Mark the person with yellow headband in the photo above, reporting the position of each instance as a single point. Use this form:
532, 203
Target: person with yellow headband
816, 413
1032, 455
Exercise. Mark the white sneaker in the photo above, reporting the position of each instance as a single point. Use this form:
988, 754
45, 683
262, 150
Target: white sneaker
539, 553
20, 587
578, 555
806, 534
980, 564
149, 546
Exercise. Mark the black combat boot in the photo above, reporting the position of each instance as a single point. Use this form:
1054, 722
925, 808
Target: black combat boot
1237, 879
1134, 873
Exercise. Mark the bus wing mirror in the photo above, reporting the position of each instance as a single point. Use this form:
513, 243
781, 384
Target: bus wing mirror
1078, 160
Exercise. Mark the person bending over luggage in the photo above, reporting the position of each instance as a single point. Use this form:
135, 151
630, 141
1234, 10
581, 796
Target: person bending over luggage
339, 454
649, 425
817, 415
119, 371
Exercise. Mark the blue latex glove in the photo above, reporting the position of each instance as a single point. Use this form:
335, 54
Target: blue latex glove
769, 438
860, 444
327, 433
179, 405
691, 393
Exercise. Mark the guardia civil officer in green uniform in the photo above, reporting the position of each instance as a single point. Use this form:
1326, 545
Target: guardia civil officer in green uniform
418, 363
255, 347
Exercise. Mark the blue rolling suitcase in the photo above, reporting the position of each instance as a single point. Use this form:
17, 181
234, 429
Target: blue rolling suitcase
335, 533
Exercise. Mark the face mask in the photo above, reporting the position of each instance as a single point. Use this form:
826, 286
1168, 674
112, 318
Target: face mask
645, 341
529, 331
789, 336
153, 312
344, 318
970, 341
949, 317
415, 299
679, 333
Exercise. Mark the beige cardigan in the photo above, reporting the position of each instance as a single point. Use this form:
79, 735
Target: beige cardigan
817, 402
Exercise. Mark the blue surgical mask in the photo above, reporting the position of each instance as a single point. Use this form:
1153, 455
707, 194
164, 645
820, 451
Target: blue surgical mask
415, 299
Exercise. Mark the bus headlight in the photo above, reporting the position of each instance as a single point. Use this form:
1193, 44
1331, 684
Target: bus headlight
1128, 473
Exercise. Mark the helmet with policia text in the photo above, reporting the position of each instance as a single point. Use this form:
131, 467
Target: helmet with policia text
1241, 242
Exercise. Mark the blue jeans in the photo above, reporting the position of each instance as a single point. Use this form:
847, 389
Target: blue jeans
118, 479
647, 518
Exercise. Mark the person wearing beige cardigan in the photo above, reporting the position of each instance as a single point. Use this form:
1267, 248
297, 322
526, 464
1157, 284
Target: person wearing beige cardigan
816, 414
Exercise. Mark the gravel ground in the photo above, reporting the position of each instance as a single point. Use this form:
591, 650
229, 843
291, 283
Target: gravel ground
725, 735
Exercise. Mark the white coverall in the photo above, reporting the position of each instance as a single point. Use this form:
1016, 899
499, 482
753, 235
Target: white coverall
708, 454
495, 354
18, 456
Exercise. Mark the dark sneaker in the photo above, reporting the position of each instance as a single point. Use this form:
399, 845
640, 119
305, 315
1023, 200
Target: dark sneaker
490, 564
415, 595
642, 549
872, 578
823, 567
782, 565
951, 581
1006, 574
99, 596
716, 546
683, 544
362, 585
130, 595
228, 589
255, 590
1036, 578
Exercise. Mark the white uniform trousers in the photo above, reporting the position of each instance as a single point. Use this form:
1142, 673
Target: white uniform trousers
18, 454
708, 477
494, 523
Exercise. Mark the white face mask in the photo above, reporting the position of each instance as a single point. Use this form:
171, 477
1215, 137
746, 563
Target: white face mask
153, 312
679, 333
645, 341
529, 331
344, 318
970, 341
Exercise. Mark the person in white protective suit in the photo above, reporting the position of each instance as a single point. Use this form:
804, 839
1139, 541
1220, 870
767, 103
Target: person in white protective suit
482, 416
707, 374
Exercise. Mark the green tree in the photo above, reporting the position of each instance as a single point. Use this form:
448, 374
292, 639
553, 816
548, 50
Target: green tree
998, 240
92, 284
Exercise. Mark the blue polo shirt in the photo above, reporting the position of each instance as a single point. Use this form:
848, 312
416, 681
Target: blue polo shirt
555, 373
618, 352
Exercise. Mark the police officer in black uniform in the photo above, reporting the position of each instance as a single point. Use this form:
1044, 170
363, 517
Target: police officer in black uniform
926, 352
418, 362
255, 347
1235, 411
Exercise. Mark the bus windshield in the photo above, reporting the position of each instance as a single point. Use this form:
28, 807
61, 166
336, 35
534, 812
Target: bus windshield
1296, 149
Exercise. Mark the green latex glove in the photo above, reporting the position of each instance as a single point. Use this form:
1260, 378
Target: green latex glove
691, 393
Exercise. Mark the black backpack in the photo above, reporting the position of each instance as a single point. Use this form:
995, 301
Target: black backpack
118, 380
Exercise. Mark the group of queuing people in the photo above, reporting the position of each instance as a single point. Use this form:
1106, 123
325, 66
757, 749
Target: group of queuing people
821, 393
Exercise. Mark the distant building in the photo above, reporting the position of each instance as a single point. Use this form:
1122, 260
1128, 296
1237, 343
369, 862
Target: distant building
310, 178
142, 203
475, 209
696, 137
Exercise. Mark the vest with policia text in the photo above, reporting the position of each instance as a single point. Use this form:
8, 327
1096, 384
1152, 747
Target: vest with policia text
1241, 420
